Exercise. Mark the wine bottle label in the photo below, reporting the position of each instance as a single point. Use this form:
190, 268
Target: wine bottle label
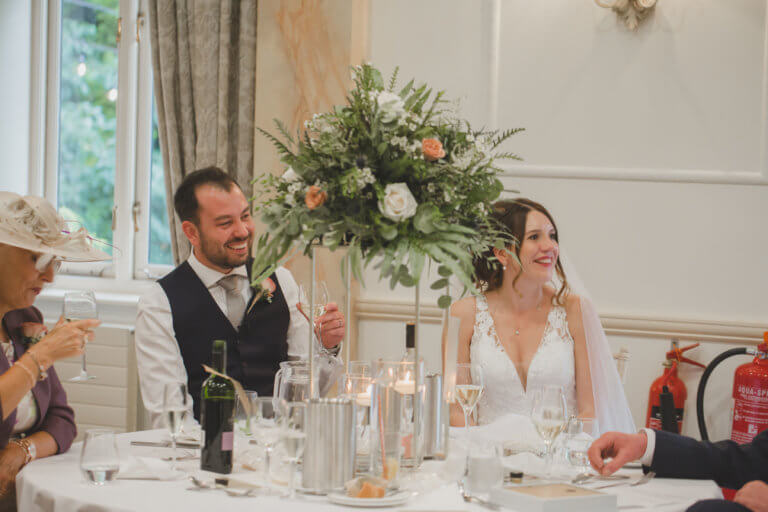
227, 441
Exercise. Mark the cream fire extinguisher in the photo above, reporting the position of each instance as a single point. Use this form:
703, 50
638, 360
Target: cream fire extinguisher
750, 393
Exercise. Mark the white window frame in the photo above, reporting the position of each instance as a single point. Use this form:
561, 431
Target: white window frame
129, 271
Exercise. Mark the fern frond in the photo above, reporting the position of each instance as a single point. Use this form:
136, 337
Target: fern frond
284, 132
498, 139
279, 145
393, 79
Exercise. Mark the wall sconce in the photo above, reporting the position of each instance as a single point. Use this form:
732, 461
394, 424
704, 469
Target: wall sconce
631, 11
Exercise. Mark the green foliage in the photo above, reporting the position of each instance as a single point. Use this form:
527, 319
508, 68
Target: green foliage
365, 155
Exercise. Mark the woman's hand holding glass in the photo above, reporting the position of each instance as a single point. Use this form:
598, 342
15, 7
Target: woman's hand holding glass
65, 340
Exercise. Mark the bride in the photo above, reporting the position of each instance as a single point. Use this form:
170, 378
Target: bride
525, 333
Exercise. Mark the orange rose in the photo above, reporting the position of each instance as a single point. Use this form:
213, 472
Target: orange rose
315, 197
432, 149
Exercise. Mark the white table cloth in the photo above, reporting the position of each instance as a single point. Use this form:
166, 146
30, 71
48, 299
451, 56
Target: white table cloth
56, 484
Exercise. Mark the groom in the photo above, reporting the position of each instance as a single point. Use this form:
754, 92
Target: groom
209, 297
743, 467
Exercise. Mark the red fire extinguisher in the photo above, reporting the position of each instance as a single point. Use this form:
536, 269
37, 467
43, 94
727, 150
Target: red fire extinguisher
668, 393
750, 393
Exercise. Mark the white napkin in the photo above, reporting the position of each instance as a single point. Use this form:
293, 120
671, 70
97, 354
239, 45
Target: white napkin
146, 468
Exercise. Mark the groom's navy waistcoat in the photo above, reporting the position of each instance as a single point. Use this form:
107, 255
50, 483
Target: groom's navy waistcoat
254, 352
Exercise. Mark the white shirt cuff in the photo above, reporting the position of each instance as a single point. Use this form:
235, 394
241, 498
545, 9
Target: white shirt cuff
647, 457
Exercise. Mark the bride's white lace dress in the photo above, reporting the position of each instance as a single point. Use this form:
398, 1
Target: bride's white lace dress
553, 363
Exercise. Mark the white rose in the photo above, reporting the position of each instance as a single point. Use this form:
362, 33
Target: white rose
289, 175
390, 106
398, 203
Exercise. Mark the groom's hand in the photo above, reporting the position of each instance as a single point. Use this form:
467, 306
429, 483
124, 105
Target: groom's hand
754, 496
622, 448
331, 326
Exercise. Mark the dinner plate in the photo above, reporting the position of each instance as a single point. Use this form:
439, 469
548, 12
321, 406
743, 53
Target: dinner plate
393, 500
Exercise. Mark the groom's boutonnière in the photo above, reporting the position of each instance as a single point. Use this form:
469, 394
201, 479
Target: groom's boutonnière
262, 291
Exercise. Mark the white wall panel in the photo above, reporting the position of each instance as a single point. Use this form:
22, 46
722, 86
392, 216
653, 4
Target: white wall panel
670, 119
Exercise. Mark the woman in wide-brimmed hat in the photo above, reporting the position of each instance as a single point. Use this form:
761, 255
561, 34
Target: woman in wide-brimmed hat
35, 420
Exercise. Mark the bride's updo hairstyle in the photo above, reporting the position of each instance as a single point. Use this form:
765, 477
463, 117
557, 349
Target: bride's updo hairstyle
511, 216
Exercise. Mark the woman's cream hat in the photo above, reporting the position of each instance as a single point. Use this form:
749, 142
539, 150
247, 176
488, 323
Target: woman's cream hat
32, 223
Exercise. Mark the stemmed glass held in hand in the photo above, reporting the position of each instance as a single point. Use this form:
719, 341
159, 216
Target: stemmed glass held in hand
469, 389
175, 406
322, 297
80, 306
549, 414
293, 437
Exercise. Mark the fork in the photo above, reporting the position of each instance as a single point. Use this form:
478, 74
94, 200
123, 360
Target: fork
640, 481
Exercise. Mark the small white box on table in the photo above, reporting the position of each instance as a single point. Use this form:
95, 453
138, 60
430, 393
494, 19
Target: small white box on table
553, 498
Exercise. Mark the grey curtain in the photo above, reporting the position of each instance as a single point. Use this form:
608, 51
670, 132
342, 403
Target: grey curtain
204, 62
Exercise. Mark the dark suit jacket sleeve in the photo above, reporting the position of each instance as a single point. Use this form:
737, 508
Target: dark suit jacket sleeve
727, 463
59, 420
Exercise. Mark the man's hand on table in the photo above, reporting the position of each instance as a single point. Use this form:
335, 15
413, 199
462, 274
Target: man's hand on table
621, 447
754, 496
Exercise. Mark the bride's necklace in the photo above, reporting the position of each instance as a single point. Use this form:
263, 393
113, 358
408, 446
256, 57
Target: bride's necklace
538, 308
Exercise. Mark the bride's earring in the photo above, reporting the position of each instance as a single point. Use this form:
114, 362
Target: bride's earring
503, 267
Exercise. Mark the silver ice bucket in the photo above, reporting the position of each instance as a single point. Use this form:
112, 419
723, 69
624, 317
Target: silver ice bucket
435, 418
329, 453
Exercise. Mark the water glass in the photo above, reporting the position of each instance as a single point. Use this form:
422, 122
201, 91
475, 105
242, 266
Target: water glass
484, 468
243, 417
581, 432
99, 461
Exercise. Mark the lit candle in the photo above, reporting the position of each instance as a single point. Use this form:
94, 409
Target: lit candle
363, 399
405, 387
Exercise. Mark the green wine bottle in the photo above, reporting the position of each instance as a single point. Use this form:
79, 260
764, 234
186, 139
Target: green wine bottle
217, 414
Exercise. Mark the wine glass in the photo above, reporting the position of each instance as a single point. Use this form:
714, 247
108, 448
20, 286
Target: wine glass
292, 437
322, 297
549, 414
469, 388
175, 407
265, 426
99, 461
80, 305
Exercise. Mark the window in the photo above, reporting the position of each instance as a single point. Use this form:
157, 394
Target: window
102, 164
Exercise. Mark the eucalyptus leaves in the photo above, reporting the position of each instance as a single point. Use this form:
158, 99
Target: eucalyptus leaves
394, 176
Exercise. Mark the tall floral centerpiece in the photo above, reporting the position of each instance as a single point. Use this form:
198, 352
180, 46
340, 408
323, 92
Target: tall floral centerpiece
392, 174
398, 179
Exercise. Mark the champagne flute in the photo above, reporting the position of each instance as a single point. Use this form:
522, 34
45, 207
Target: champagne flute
175, 406
292, 436
469, 389
80, 305
549, 414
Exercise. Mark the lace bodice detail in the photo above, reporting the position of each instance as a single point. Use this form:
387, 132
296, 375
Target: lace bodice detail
553, 363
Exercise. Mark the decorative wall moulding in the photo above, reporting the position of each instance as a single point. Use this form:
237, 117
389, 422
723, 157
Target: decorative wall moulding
631, 11
720, 331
